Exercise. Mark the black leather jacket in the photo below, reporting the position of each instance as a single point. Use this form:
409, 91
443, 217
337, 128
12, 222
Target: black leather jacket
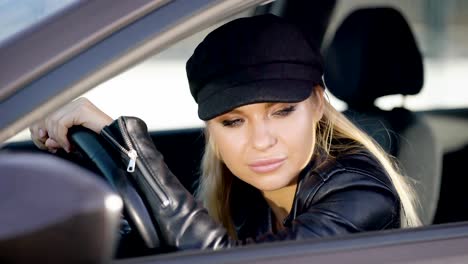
352, 194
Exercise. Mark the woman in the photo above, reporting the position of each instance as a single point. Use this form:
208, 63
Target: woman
280, 162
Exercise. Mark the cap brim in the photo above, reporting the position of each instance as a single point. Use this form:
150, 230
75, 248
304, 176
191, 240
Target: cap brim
287, 91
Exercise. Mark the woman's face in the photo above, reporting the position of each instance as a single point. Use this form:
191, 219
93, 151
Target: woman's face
268, 144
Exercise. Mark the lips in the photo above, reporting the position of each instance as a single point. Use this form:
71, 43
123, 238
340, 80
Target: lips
266, 165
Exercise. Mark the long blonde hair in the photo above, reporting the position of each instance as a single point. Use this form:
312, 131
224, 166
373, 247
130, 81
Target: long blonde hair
216, 180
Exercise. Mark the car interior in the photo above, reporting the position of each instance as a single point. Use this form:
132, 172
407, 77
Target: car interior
356, 78
372, 53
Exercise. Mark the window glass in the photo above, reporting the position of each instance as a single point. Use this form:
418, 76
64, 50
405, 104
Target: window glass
19, 15
440, 29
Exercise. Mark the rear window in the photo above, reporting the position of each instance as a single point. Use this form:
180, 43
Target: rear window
440, 30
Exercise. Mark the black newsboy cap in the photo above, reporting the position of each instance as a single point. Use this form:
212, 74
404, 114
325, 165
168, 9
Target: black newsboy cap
251, 60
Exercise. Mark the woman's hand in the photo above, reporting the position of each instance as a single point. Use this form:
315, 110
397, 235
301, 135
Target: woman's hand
51, 133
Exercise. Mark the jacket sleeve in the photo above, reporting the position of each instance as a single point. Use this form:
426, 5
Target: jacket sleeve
185, 224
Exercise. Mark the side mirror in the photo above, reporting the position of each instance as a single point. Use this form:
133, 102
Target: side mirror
52, 211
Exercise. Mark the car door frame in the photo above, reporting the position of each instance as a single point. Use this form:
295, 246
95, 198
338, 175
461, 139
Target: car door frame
446, 243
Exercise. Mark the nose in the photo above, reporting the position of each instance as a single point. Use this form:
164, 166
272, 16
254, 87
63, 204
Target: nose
262, 136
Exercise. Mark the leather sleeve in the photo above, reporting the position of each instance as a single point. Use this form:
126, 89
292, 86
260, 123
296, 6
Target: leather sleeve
185, 224
348, 203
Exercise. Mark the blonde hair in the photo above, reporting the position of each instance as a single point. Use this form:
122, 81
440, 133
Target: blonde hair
216, 180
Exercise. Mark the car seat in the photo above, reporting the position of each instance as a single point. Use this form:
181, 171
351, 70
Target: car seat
373, 54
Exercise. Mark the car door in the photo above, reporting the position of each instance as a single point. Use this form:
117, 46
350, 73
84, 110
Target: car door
46, 68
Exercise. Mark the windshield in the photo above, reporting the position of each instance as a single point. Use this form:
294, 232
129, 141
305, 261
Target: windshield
17, 16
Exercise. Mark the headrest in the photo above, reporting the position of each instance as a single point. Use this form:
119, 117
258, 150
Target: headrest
373, 54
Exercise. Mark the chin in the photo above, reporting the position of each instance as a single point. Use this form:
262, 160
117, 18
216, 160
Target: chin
272, 183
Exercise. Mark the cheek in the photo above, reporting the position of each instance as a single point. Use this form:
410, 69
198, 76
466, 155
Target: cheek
300, 140
305, 147
230, 148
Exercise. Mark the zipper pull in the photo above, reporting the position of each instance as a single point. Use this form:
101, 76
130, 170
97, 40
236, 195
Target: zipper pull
132, 154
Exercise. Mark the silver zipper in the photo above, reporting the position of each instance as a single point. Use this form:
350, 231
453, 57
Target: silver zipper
132, 164
132, 154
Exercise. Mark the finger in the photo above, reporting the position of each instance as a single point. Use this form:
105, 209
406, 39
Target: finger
52, 145
39, 144
42, 133
38, 131
63, 124
72, 117
38, 136
53, 126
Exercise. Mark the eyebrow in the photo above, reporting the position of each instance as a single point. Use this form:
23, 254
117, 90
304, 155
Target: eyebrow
267, 106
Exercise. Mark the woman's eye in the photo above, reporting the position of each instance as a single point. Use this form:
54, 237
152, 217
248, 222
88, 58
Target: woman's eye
232, 122
285, 111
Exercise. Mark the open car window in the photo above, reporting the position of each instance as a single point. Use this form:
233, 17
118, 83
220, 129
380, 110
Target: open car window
150, 78
156, 90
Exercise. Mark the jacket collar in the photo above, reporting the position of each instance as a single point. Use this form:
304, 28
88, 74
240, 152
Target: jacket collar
306, 178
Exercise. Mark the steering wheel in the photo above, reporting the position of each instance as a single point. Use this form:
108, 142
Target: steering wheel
91, 146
